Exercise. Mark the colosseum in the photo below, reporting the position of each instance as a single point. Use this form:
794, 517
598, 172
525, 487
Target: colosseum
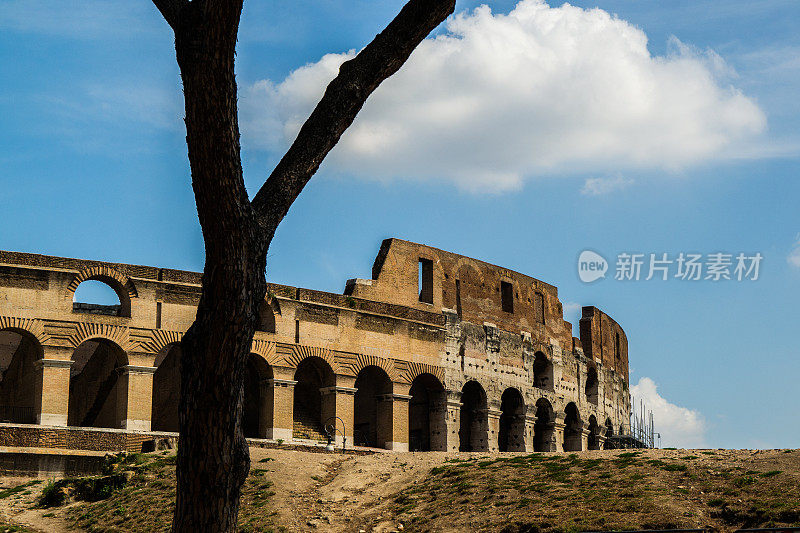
436, 351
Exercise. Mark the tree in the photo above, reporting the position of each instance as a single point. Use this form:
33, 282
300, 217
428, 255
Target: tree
213, 459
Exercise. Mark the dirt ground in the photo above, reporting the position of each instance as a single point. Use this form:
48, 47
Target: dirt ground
335, 492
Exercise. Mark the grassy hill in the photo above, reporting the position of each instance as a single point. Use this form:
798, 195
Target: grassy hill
301, 491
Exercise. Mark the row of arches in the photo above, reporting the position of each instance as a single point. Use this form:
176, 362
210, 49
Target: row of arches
474, 423
98, 392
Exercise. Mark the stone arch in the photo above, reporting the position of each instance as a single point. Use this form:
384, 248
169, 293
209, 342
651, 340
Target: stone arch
427, 428
257, 404
300, 353
592, 385
474, 424
363, 361
594, 434
511, 437
313, 374
85, 331
166, 388
543, 372
572, 428
266, 350
98, 386
372, 410
19, 351
544, 427
266, 315
414, 369
121, 284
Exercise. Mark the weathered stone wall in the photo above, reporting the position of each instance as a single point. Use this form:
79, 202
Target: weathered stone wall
469, 322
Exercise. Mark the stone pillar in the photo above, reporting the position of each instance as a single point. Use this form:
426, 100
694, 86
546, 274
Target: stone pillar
492, 421
135, 397
452, 403
52, 386
339, 403
438, 422
530, 424
601, 439
277, 413
585, 437
393, 421
558, 432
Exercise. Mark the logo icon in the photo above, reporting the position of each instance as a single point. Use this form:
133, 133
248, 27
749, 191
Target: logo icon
591, 266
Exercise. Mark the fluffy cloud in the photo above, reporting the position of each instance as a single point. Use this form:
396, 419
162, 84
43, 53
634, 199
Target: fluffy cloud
541, 91
601, 186
679, 427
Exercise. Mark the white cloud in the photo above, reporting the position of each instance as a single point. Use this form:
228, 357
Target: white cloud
794, 256
541, 91
606, 185
680, 427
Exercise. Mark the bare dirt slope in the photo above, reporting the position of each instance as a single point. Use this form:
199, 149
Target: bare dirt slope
304, 491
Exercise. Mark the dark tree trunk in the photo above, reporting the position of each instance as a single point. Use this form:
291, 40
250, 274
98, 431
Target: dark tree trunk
213, 458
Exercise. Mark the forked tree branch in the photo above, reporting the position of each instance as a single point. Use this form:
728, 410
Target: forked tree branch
343, 99
171, 10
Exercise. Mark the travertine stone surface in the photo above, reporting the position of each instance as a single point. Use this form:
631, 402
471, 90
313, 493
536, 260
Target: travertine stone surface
479, 357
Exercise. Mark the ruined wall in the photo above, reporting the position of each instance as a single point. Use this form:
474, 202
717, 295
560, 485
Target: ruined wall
427, 317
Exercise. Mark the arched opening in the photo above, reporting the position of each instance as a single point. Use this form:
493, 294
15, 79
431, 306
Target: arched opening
166, 389
511, 437
426, 420
594, 434
372, 412
98, 396
267, 317
474, 427
257, 406
609, 444
101, 296
19, 350
312, 375
572, 429
543, 427
591, 385
542, 372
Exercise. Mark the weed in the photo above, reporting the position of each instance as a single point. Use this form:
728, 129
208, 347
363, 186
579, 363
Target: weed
15, 490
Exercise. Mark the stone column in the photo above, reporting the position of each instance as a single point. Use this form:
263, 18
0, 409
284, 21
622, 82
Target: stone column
339, 402
530, 424
601, 438
558, 432
393, 421
585, 437
277, 413
492, 421
452, 403
52, 386
135, 397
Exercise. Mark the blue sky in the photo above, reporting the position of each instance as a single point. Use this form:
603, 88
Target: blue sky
525, 172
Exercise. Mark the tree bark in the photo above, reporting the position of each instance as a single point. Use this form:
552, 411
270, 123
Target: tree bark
213, 458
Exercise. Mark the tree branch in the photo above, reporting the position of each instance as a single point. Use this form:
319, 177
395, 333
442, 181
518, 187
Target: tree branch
171, 10
343, 99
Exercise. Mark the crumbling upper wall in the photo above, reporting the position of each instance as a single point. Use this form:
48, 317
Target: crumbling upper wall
472, 288
604, 340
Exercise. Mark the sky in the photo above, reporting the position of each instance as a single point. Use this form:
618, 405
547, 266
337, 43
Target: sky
520, 133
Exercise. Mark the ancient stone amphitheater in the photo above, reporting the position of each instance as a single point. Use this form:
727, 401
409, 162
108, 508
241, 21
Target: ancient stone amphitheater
436, 351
